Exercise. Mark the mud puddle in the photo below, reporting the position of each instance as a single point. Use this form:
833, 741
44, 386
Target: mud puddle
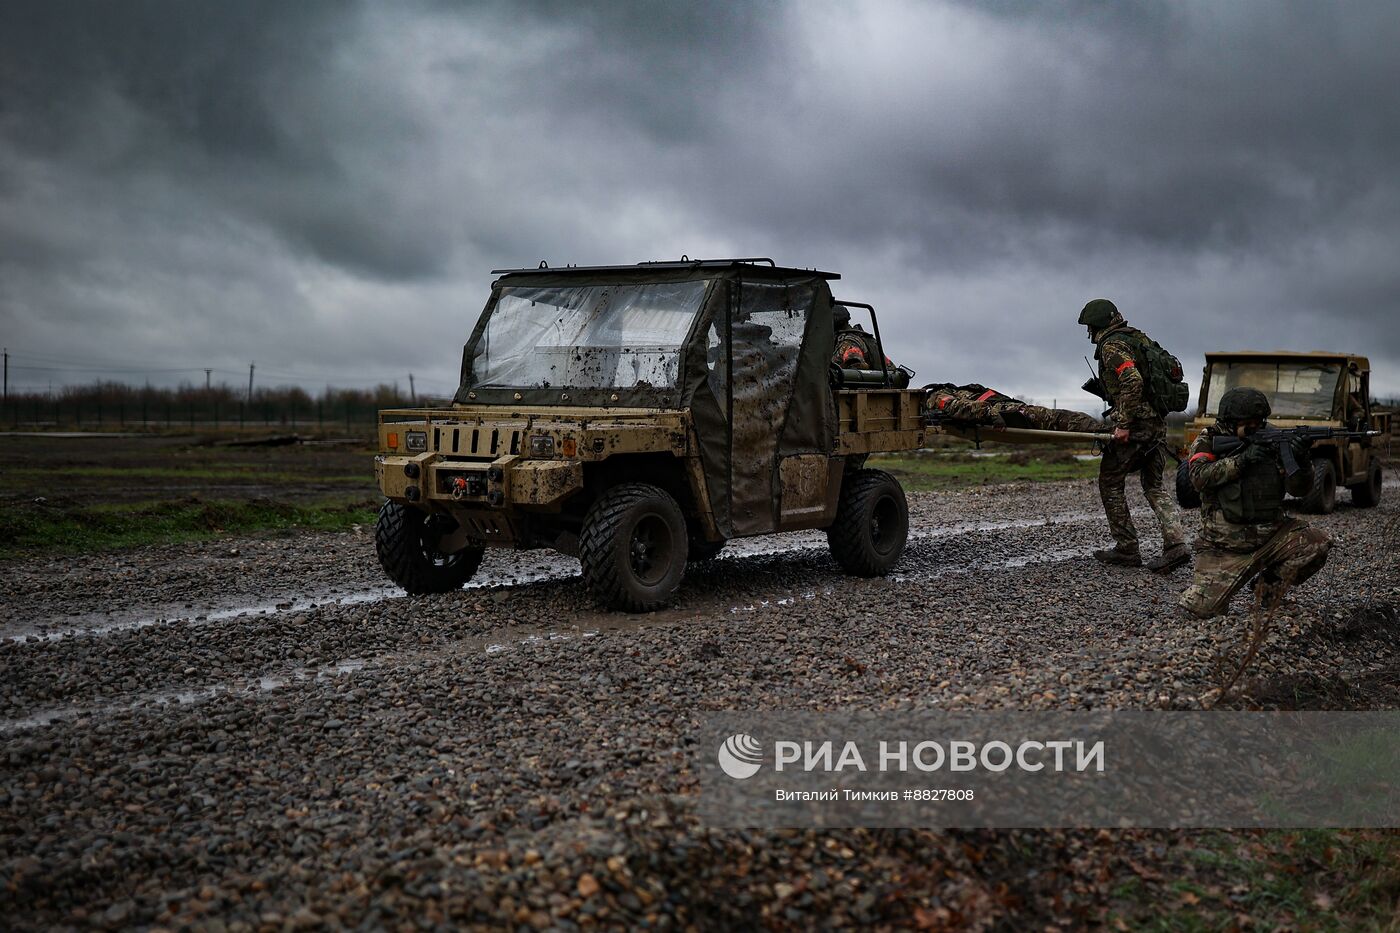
794, 541
186, 696
105, 623
544, 567
477, 646
586, 625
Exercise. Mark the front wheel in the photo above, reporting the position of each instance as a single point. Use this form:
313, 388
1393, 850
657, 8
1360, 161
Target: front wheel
1186, 495
872, 524
1367, 493
1322, 498
633, 547
406, 540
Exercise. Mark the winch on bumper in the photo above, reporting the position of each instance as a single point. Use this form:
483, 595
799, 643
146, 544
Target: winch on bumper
509, 480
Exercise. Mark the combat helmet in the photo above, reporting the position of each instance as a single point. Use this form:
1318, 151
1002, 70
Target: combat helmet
1243, 403
1100, 313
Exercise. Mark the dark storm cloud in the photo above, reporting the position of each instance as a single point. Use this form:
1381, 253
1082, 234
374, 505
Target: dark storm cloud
332, 180
223, 101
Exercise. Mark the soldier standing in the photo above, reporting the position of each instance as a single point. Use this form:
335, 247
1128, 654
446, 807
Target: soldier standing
1139, 442
1244, 533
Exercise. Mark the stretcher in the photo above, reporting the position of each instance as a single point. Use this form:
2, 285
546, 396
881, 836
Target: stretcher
1009, 432
977, 433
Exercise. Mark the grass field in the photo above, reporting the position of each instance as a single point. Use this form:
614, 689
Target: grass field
60, 529
1320, 879
74, 494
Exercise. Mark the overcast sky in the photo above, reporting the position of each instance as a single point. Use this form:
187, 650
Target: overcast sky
325, 187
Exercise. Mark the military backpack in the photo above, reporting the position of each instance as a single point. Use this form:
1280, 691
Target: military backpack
1163, 380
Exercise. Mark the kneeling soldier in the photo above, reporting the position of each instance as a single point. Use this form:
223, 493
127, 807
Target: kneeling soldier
1244, 533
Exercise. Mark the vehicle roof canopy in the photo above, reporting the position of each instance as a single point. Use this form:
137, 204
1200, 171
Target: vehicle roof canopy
762, 267
1282, 355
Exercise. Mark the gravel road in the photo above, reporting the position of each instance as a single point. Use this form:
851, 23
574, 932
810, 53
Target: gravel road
257, 733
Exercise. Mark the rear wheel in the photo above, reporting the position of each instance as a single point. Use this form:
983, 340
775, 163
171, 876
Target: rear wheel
872, 524
1322, 499
1367, 494
633, 547
1186, 495
406, 540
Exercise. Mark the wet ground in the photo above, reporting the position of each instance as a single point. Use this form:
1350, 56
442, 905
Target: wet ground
261, 731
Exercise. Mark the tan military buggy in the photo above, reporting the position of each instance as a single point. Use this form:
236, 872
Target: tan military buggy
639, 417
1315, 389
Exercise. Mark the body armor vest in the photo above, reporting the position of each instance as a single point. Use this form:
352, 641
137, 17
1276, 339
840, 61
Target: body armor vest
1256, 497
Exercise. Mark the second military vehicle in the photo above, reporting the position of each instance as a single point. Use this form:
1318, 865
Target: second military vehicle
639, 417
1315, 389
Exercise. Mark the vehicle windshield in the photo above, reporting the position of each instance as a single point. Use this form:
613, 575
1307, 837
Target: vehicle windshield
1295, 389
587, 336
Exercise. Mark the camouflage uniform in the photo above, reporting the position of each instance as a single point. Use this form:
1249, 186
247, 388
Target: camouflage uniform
981, 405
1144, 454
1284, 551
855, 349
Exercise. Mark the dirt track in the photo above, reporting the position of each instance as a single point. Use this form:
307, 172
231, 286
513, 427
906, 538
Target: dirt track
509, 754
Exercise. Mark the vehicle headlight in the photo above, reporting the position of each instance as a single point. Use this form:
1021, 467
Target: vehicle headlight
541, 445
416, 440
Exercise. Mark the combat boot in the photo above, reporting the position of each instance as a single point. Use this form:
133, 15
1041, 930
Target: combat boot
1170, 559
1119, 557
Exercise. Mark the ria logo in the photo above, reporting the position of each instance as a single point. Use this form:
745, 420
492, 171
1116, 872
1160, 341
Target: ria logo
740, 756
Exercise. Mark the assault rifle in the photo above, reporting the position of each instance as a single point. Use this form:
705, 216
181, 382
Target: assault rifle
1227, 445
1094, 385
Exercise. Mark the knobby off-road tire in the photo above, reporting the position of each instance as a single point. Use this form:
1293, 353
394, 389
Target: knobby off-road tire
1322, 498
872, 524
633, 547
1186, 495
1367, 494
406, 540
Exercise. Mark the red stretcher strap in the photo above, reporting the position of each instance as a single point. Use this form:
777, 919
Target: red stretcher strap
986, 395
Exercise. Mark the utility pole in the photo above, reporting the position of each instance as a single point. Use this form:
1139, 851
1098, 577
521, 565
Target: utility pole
206, 379
412, 393
7, 374
250, 383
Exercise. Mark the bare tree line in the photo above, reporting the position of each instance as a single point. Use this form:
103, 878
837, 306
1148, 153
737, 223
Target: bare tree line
120, 404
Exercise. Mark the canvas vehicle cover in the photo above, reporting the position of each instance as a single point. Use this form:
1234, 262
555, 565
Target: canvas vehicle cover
744, 347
